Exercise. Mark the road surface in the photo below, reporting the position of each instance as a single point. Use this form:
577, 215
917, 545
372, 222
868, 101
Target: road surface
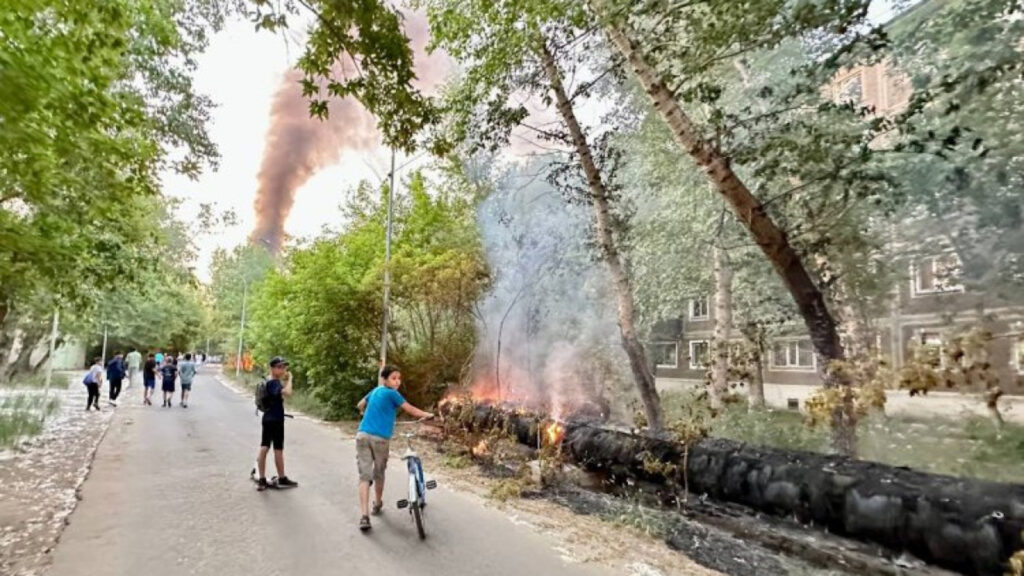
169, 494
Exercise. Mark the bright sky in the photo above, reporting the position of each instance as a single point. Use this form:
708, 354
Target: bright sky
240, 71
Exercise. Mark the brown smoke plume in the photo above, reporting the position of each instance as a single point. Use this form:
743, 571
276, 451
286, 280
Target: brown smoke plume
299, 146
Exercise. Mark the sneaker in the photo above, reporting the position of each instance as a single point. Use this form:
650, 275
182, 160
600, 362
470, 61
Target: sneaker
378, 507
286, 482
364, 523
262, 485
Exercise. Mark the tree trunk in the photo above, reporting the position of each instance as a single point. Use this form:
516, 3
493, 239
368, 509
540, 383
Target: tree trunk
755, 397
723, 326
773, 241
642, 373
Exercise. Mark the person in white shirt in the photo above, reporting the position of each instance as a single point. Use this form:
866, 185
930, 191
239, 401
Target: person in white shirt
93, 381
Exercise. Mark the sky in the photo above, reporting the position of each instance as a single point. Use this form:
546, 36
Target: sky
241, 70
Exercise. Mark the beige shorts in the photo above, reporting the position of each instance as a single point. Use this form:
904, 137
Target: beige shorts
372, 456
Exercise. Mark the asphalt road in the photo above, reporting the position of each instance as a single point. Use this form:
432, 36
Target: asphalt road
170, 494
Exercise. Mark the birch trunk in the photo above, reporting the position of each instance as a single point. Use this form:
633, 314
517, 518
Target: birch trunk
723, 327
755, 399
810, 301
643, 376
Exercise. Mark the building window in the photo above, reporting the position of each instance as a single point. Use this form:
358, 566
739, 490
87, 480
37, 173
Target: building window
930, 349
699, 353
699, 308
851, 90
936, 274
665, 354
793, 355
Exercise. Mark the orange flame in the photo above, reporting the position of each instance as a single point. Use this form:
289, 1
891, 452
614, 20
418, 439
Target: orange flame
554, 433
481, 449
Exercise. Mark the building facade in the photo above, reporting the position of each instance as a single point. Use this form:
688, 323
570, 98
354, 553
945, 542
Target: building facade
929, 304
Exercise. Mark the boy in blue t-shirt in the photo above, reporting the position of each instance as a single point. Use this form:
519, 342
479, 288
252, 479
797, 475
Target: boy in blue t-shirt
374, 438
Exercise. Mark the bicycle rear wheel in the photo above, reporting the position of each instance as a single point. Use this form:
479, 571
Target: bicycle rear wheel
417, 513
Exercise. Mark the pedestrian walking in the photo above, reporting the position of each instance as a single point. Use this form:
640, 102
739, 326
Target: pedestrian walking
159, 358
373, 439
93, 380
186, 372
115, 376
134, 361
149, 371
169, 372
277, 389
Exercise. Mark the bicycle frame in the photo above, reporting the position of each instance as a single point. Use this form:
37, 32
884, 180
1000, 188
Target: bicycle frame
418, 485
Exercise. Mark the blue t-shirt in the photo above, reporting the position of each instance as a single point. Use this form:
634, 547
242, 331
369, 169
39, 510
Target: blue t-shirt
274, 402
379, 418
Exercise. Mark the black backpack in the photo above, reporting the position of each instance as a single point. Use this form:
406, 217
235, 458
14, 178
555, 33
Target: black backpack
261, 395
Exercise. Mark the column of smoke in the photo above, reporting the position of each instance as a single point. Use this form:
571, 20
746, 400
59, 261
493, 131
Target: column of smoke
551, 306
297, 146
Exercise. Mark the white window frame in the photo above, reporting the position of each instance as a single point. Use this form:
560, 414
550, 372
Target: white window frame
675, 354
707, 308
941, 345
773, 363
915, 279
692, 356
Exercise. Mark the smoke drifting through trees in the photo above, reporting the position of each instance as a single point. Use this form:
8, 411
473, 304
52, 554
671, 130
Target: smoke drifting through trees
298, 146
551, 308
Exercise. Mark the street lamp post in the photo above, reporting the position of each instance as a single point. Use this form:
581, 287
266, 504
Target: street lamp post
241, 328
387, 265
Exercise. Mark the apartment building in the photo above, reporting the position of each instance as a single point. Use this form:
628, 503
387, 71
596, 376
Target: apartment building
930, 303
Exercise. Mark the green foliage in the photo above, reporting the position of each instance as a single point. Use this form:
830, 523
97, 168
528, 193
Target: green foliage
95, 99
357, 48
322, 308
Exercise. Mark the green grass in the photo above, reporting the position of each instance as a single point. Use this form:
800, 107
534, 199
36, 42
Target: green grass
966, 447
22, 415
36, 380
306, 402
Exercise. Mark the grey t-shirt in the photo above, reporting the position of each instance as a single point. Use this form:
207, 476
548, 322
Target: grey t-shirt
187, 371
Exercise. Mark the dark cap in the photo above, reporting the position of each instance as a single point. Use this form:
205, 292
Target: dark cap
277, 361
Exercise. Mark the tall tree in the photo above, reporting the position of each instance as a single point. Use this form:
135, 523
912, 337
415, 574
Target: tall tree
510, 49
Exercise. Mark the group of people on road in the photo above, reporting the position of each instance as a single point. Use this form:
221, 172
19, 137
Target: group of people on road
373, 440
169, 368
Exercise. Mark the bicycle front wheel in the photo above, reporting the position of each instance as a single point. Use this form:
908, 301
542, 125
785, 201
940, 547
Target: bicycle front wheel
418, 515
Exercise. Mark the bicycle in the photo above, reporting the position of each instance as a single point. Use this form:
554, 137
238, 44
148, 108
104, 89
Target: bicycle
417, 499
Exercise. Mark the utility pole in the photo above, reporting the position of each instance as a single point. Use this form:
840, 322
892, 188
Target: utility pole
387, 265
241, 328
49, 359
103, 354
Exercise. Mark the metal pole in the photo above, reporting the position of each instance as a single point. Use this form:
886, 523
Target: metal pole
387, 265
103, 354
49, 360
241, 329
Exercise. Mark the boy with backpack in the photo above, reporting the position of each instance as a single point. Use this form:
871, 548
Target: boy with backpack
92, 382
170, 374
270, 397
374, 438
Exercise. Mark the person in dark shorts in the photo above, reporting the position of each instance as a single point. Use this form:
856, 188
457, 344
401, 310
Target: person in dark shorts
279, 387
169, 372
148, 380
